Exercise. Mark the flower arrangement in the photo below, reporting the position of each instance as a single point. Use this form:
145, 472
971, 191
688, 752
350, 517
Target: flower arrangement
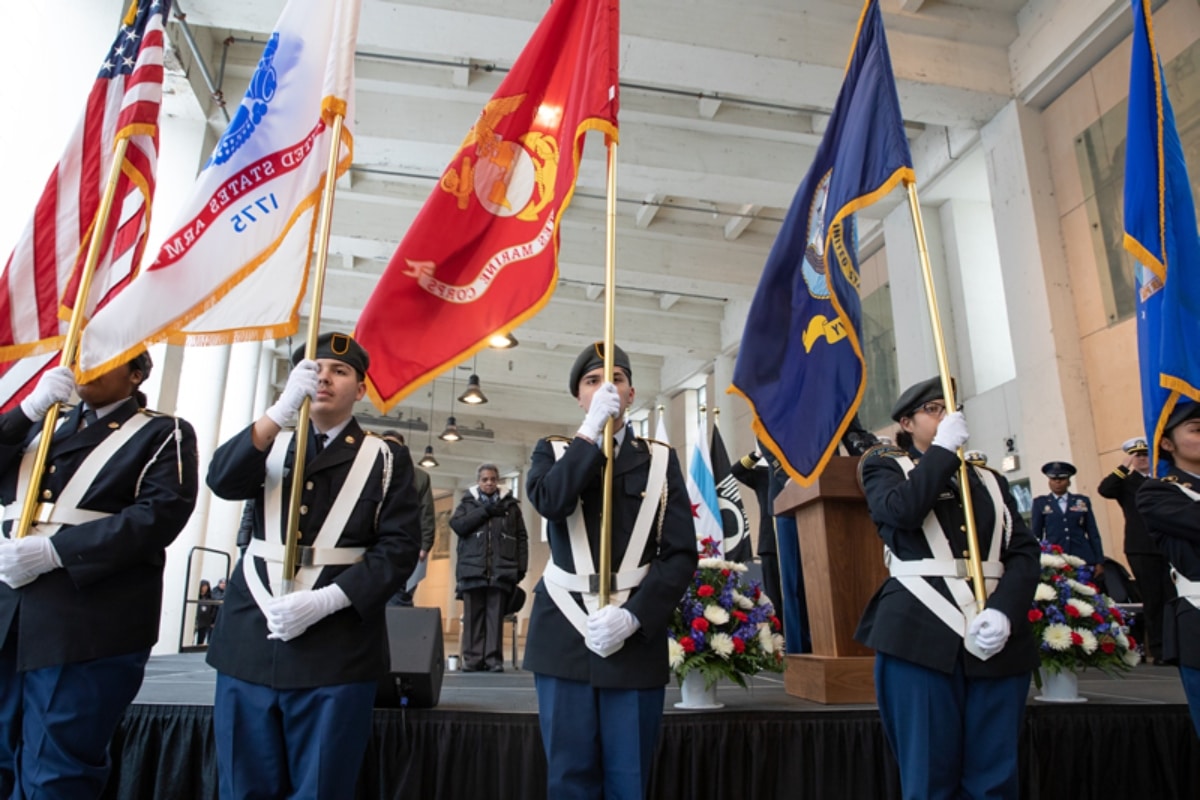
1075, 624
724, 626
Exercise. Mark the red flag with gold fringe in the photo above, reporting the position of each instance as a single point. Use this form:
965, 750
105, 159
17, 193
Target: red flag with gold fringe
482, 255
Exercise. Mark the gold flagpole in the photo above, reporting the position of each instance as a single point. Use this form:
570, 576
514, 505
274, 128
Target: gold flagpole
310, 348
974, 562
610, 325
74, 330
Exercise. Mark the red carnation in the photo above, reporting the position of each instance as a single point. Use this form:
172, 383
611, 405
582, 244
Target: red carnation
739, 645
775, 623
1076, 639
725, 573
1096, 615
1116, 612
700, 624
740, 616
1108, 647
1035, 615
705, 591
757, 592
1071, 611
1132, 643
688, 644
1056, 549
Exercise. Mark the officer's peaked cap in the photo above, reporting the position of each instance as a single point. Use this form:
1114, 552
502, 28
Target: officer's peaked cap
1135, 446
1058, 469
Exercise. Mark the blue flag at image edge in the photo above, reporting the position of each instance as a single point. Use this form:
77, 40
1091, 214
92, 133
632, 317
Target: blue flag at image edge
1160, 232
800, 366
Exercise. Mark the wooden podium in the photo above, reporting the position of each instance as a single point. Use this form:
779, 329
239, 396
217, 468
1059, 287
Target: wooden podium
842, 556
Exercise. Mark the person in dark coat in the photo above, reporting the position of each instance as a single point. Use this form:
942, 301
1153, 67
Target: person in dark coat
599, 672
424, 488
748, 471
1150, 569
297, 671
951, 683
1067, 519
493, 554
206, 613
81, 595
1170, 509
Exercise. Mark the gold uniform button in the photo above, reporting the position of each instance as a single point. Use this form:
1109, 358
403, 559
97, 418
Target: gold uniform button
966, 554
308, 485
52, 469
303, 509
962, 527
47, 494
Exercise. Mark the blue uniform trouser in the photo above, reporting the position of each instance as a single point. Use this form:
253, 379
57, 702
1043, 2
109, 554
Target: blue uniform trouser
599, 742
301, 743
56, 722
791, 579
953, 736
1191, 687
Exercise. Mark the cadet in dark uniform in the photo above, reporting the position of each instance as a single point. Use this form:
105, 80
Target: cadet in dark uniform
951, 685
1067, 519
1151, 570
758, 478
1170, 508
296, 672
600, 672
81, 595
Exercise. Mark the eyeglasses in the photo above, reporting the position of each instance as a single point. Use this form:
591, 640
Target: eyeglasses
933, 409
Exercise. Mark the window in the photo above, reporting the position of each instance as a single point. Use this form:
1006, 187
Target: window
879, 351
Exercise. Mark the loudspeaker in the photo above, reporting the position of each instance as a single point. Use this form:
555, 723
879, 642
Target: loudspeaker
416, 655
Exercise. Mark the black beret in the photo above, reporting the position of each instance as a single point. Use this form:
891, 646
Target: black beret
918, 395
1183, 411
340, 347
1058, 469
142, 363
515, 602
592, 357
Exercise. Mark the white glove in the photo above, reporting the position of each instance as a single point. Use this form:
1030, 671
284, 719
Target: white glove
989, 631
301, 383
952, 432
606, 404
55, 386
293, 614
608, 628
23, 560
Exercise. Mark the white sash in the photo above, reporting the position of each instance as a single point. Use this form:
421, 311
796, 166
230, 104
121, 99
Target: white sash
560, 584
911, 574
65, 510
1187, 589
324, 551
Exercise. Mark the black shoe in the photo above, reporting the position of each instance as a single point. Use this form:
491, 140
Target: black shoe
474, 669
497, 668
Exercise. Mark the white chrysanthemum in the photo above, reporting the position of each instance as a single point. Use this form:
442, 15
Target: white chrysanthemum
1058, 636
741, 601
1090, 643
1044, 593
722, 644
1084, 608
1131, 657
777, 640
736, 567
716, 615
711, 563
763, 600
765, 640
1082, 588
675, 653
1051, 560
1074, 561
1122, 640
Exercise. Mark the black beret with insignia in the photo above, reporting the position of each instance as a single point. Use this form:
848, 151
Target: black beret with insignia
1184, 410
339, 347
592, 357
918, 395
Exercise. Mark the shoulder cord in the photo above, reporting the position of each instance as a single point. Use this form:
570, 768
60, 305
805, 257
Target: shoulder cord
177, 436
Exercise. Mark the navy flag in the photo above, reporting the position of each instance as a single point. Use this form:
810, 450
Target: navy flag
734, 522
1160, 232
800, 366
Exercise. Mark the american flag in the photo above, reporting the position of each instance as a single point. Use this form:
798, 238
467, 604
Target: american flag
41, 278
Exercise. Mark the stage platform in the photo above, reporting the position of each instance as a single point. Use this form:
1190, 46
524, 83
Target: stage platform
1133, 737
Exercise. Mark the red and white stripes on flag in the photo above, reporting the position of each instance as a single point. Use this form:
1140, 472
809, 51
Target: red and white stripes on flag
41, 277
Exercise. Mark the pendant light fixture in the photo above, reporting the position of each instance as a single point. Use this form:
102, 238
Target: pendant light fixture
473, 396
451, 433
428, 461
502, 341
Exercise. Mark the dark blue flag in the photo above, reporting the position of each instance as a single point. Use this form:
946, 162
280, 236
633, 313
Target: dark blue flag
800, 366
1160, 232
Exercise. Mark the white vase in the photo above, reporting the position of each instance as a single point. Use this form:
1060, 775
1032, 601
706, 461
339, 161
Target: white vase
695, 695
1060, 687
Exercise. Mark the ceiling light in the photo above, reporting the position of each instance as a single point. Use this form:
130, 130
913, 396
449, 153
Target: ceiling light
502, 341
428, 461
451, 433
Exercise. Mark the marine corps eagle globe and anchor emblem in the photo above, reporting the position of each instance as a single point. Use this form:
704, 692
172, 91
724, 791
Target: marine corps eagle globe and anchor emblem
508, 179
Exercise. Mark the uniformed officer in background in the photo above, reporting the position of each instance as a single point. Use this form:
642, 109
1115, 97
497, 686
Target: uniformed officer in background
297, 672
81, 594
600, 673
1067, 519
950, 683
1150, 568
1170, 509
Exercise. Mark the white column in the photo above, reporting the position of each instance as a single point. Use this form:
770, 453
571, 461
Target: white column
202, 389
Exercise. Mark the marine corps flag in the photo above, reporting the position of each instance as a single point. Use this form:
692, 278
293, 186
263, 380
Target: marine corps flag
1160, 232
235, 266
482, 255
800, 366
734, 522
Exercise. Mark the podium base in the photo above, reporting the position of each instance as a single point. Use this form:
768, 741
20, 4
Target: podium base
831, 680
